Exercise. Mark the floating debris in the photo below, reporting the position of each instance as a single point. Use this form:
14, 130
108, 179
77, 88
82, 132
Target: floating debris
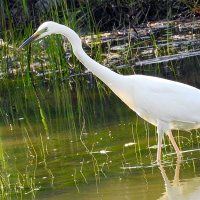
186, 151
102, 152
119, 47
129, 144
139, 167
168, 58
21, 118
155, 146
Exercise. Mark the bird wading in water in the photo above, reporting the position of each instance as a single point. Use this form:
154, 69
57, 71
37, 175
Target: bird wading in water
166, 104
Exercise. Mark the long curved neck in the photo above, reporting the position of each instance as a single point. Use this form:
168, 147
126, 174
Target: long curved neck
103, 73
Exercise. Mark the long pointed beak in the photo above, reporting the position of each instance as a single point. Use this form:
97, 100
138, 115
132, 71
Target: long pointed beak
29, 40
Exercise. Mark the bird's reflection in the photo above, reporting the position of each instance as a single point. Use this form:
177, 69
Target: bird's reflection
188, 189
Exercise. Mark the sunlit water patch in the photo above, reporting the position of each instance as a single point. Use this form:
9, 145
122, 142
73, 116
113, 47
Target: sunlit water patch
64, 136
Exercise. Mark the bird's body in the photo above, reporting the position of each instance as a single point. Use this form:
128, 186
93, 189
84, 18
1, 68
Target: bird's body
166, 104
156, 99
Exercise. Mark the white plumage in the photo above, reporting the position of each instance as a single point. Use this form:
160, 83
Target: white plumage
166, 104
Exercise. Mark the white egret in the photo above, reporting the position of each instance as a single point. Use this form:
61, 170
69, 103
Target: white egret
168, 105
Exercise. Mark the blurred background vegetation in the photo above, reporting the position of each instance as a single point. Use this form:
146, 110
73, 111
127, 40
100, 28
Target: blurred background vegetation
105, 15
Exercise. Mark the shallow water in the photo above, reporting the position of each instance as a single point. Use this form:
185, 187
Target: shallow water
55, 144
107, 159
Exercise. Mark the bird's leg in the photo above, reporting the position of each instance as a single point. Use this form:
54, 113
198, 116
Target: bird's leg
159, 147
171, 138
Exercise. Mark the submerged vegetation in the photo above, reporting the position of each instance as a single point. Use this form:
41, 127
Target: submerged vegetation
61, 128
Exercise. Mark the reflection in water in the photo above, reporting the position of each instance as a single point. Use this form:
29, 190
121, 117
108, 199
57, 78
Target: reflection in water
118, 150
181, 190
120, 145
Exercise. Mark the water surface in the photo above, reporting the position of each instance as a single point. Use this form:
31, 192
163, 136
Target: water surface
60, 144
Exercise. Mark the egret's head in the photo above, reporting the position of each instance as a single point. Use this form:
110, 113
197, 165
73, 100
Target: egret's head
47, 28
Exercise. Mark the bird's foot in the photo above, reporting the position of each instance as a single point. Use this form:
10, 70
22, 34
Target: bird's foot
156, 163
179, 157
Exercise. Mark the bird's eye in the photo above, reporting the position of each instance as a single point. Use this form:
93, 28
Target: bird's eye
45, 29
